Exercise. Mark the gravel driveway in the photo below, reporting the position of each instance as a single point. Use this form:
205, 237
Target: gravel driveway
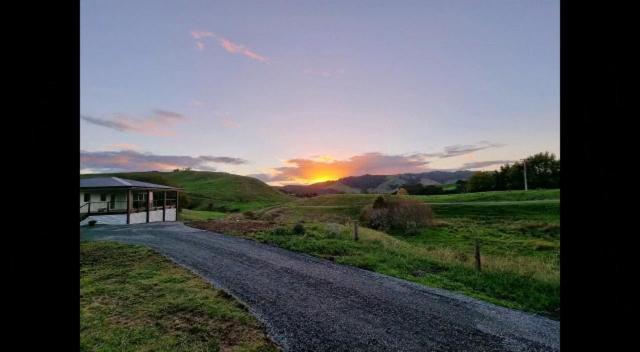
310, 304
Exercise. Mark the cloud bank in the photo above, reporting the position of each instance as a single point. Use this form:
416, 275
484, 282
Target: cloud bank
129, 160
460, 149
483, 164
302, 170
158, 123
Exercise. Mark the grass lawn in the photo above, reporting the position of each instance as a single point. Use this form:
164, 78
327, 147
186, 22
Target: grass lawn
200, 215
132, 299
520, 245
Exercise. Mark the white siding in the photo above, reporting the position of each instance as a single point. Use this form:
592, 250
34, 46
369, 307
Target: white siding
113, 219
96, 203
171, 214
155, 215
138, 218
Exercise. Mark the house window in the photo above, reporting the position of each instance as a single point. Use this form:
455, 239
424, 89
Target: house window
87, 197
103, 197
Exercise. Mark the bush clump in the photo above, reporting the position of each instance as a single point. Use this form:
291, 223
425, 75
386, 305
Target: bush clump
397, 215
280, 231
298, 229
333, 230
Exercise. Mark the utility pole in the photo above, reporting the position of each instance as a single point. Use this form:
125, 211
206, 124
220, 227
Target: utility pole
525, 174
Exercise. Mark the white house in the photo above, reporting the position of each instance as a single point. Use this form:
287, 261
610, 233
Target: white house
115, 200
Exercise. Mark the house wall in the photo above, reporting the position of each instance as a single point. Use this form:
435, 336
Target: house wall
121, 204
138, 218
171, 214
154, 216
96, 203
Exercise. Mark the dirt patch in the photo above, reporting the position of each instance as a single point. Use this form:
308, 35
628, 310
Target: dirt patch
234, 227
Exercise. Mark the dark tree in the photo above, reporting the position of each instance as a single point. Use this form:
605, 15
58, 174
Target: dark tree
482, 181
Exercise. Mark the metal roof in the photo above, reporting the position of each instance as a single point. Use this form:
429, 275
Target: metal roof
117, 182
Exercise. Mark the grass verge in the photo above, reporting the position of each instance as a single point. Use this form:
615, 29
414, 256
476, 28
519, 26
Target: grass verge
133, 299
200, 215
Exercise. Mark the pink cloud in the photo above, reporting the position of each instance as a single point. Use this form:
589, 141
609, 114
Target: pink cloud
226, 44
234, 48
229, 123
201, 34
129, 160
123, 146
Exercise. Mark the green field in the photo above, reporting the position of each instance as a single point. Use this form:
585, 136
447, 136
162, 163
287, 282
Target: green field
132, 299
519, 241
495, 196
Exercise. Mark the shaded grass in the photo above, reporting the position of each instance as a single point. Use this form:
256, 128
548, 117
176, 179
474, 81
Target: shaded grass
132, 299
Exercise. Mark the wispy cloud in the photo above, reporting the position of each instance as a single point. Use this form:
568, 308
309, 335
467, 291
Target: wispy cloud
307, 170
483, 164
123, 146
158, 123
459, 149
130, 160
223, 159
226, 44
201, 35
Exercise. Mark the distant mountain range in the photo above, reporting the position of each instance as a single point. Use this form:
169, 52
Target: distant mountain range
378, 183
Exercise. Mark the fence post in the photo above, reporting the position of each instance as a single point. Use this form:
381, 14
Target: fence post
355, 230
478, 262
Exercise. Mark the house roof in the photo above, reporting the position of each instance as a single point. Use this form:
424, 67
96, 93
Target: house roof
117, 182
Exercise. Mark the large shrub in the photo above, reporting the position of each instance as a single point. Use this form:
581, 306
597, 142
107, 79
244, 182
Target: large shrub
395, 214
299, 229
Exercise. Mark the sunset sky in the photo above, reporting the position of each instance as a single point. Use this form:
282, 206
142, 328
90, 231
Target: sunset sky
306, 91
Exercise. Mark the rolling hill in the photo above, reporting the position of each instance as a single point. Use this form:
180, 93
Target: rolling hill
378, 183
212, 190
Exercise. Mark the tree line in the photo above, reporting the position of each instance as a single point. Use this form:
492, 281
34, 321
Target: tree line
543, 171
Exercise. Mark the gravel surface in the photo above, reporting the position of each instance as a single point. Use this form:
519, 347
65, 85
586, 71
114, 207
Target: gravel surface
310, 304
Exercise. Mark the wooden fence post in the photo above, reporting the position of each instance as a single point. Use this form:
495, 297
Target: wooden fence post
478, 263
355, 230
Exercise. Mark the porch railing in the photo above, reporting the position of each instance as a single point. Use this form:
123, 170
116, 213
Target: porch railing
121, 206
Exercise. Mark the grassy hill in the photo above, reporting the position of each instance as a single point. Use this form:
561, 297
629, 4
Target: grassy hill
213, 190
